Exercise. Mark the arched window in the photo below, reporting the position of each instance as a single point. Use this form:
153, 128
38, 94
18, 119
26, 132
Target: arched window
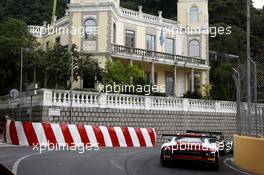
194, 48
194, 14
90, 29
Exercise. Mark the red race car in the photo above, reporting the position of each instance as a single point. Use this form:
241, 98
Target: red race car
190, 147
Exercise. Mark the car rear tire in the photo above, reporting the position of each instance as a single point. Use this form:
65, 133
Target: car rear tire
213, 167
163, 162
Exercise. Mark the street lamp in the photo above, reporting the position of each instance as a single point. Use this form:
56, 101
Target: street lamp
71, 57
248, 68
21, 77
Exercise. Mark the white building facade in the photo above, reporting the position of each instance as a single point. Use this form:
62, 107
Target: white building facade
171, 53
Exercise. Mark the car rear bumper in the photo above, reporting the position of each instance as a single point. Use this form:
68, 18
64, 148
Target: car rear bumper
186, 158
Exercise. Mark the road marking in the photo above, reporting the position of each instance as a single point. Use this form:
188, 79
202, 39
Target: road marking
229, 166
116, 165
15, 166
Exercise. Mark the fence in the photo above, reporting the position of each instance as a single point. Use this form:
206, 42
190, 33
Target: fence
250, 92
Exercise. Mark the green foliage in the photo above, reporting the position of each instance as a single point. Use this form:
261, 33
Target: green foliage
116, 72
57, 66
14, 35
221, 76
193, 95
207, 90
53, 65
88, 67
120, 74
33, 12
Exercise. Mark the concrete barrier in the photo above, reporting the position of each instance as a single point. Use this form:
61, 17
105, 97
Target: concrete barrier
249, 153
31, 133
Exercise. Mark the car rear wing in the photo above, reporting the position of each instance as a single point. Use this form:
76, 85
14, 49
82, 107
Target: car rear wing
169, 135
182, 135
204, 132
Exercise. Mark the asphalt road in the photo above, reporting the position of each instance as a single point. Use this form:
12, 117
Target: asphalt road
118, 161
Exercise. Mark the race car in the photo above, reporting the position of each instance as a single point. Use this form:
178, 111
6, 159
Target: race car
190, 147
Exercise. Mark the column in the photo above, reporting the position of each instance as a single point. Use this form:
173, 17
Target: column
131, 78
192, 80
153, 73
175, 79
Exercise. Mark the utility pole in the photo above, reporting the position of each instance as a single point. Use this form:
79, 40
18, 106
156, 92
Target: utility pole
255, 95
248, 68
71, 57
21, 81
237, 79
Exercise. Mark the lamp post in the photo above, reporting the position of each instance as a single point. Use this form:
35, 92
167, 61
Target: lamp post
255, 95
21, 80
71, 57
248, 69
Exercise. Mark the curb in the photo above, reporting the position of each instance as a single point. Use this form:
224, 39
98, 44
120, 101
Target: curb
229, 162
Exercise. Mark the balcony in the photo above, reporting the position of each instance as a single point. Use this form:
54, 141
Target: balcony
146, 55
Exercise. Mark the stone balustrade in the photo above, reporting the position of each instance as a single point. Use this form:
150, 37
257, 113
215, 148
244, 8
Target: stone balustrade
47, 97
146, 17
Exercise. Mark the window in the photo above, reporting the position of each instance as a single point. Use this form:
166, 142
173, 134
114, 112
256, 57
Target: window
194, 49
169, 84
90, 29
130, 38
151, 40
194, 14
197, 82
148, 76
114, 33
88, 82
169, 45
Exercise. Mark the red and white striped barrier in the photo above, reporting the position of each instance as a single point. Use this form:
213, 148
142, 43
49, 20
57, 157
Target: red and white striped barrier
30, 134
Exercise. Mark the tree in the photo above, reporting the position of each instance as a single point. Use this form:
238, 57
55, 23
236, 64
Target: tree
14, 35
117, 73
57, 66
33, 12
221, 76
88, 69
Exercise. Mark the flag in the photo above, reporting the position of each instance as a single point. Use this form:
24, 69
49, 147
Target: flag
161, 37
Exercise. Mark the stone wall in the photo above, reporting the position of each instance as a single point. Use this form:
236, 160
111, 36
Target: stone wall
165, 122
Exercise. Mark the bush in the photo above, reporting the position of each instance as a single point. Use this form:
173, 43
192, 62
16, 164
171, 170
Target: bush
193, 95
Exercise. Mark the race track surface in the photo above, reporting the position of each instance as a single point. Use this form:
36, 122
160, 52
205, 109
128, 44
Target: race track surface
110, 161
